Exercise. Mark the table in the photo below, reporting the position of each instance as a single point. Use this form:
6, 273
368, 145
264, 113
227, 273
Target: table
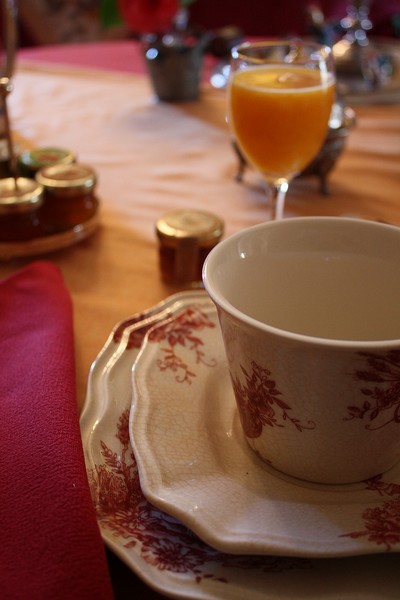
152, 157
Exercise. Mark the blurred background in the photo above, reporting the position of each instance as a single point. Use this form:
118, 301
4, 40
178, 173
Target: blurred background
43, 22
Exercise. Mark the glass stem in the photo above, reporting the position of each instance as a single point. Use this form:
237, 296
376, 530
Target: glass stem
278, 191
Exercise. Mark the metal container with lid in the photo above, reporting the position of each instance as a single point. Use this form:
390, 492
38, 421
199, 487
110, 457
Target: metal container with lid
20, 202
69, 196
31, 161
185, 238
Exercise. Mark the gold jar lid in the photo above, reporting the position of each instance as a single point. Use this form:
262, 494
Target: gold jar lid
74, 178
182, 225
19, 195
43, 157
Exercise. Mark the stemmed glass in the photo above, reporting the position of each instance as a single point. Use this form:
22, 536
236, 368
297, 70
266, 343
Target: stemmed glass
280, 96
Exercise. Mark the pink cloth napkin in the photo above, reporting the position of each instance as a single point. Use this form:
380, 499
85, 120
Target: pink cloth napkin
50, 545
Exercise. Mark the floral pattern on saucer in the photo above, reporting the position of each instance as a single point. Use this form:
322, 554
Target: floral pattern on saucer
181, 332
164, 543
382, 525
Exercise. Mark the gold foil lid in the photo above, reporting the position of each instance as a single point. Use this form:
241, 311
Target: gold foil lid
185, 224
75, 176
19, 195
46, 156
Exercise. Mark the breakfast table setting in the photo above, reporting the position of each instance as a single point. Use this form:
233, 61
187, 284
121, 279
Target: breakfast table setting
125, 472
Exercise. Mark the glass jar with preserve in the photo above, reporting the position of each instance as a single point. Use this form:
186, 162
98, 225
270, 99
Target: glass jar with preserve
185, 238
69, 196
20, 202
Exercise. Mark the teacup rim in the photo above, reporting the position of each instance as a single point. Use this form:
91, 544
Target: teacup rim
333, 343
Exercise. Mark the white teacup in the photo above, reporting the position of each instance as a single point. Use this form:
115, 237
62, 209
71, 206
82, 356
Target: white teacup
310, 315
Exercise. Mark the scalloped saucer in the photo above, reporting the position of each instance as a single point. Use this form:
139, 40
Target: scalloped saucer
195, 464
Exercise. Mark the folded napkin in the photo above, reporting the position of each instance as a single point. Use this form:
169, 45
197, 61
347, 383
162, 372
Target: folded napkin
50, 545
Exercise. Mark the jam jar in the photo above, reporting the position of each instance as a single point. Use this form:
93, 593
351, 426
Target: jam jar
185, 238
31, 161
20, 202
69, 196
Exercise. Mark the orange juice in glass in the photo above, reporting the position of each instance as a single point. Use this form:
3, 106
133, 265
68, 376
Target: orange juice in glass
280, 98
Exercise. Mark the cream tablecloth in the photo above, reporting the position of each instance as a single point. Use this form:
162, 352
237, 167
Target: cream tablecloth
152, 157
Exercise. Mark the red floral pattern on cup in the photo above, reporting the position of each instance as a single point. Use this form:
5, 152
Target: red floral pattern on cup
382, 389
260, 403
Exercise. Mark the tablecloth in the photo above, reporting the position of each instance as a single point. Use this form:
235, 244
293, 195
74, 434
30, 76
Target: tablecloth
152, 157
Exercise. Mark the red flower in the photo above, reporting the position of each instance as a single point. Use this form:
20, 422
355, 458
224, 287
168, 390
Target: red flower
149, 16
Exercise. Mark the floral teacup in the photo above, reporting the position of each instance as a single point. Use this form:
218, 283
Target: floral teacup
310, 315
